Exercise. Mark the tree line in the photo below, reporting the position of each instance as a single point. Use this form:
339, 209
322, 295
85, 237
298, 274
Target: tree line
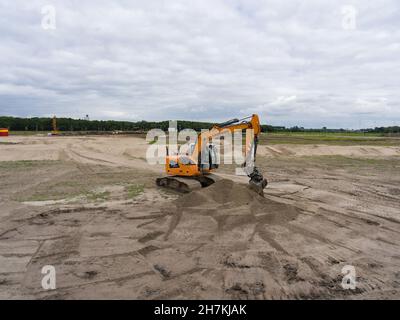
69, 124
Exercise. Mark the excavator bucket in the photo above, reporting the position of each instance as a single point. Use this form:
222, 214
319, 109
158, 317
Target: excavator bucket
258, 186
257, 182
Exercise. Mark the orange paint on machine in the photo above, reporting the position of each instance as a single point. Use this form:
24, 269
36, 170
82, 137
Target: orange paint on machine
3, 132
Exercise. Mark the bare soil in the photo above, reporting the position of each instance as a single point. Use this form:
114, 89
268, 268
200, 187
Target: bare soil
89, 207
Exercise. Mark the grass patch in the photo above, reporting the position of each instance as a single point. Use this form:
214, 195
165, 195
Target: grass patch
97, 196
27, 164
338, 139
35, 197
8, 143
27, 133
90, 196
134, 190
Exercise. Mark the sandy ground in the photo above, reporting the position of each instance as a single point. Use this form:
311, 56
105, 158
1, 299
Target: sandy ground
328, 150
89, 207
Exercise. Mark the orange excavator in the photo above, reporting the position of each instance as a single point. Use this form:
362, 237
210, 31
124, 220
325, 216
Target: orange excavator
55, 131
193, 170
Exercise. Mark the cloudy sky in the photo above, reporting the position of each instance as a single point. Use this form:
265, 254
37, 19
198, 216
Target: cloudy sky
311, 63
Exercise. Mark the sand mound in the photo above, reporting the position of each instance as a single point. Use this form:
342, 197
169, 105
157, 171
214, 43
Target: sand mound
222, 192
232, 205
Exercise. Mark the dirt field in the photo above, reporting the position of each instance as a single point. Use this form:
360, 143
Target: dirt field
89, 207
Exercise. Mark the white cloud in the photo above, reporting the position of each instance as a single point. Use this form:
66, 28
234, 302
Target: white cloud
283, 100
371, 106
291, 61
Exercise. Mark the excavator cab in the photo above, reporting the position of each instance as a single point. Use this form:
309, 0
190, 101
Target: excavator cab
209, 157
183, 164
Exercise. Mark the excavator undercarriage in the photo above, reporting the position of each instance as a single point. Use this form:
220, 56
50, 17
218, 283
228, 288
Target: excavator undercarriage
187, 184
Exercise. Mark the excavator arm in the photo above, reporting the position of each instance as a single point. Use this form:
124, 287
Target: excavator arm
257, 181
